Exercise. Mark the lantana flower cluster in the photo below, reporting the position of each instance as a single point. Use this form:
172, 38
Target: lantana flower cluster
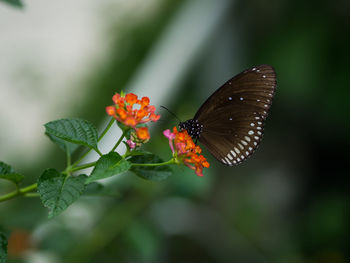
186, 151
131, 111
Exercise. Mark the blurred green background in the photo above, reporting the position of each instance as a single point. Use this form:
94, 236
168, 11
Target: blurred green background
288, 203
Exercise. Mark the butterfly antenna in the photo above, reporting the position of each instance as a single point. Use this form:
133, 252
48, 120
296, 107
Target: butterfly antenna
170, 112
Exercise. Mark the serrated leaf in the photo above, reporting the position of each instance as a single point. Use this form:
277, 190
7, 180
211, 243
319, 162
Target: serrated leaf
15, 3
153, 173
7, 173
58, 191
3, 248
5, 168
13, 177
77, 131
64, 145
108, 165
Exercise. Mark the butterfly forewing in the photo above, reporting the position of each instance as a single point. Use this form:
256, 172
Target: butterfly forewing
233, 116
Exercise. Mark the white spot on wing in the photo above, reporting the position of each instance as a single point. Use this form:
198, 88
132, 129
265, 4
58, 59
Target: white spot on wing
244, 142
236, 149
233, 153
229, 156
250, 132
252, 124
240, 146
247, 138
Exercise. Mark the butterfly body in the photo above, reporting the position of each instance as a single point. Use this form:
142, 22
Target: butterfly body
230, 122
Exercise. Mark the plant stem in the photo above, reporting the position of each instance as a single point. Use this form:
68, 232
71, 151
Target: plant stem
171, 161
87, 165
120, 140
21, 191
31, 195
106, 129
98, 151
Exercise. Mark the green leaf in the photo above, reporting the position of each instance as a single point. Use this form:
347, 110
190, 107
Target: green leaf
5, 168
108, 165
13, 177
77, 131
153, 173
7, 173
3, 248
15, 3
64, 145
58, 191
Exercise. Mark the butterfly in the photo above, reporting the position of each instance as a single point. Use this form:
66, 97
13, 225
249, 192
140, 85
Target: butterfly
230, 123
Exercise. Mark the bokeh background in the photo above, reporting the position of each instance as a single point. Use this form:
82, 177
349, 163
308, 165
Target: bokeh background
288, 203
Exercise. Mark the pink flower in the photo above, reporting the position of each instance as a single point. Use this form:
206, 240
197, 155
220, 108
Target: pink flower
131, 144
186, 151
171, 136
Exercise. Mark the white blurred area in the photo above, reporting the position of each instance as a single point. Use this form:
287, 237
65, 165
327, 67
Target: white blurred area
46, 49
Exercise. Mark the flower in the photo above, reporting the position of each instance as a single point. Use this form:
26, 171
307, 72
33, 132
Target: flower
142, 133
131, 144
140, 136
131, 111
186, 151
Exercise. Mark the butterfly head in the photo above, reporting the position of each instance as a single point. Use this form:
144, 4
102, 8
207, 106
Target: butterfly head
193, 128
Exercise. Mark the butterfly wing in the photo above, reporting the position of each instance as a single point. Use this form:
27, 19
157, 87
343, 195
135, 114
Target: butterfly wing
233, 116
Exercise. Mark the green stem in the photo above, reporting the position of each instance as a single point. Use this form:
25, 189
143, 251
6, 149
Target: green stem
84, 166
106, 129
120, 140
171, 161
98, 151
69, 160
81, 158
21, 191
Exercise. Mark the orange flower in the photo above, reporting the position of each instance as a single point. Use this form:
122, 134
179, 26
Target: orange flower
131, 111
142, 133
186, 151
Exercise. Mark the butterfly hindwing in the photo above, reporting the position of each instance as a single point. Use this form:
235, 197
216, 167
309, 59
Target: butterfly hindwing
233, 116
